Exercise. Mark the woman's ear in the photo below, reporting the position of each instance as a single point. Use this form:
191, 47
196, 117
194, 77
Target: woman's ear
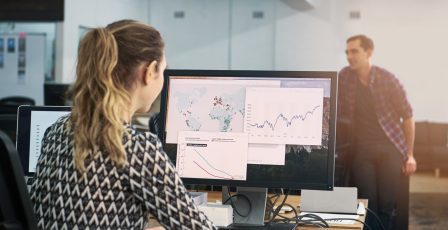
151, 71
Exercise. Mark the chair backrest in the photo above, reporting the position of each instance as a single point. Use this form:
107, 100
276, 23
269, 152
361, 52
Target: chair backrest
8, 124
17, 100
154, 125
438, 135
16, 209
422, 133
9, 105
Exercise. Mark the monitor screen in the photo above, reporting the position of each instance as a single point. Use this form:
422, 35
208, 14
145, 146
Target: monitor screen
32, 123
32, 11
55, 94
271, 129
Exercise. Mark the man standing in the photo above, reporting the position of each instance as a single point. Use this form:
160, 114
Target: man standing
381, 128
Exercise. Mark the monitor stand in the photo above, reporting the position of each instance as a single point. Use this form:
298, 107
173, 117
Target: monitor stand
255, 218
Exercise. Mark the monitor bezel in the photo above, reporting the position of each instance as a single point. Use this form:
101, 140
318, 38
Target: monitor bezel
328, 185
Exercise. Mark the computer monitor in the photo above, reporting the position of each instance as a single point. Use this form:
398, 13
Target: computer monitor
265, 129
55, 94
32, 122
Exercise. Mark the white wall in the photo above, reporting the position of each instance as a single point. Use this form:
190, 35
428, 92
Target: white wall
411, 41
252, 34
410, 37
199, 39
306, 38
219, 34
216, 34
89, 13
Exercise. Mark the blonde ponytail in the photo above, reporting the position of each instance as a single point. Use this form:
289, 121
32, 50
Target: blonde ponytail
107, 59
98, 102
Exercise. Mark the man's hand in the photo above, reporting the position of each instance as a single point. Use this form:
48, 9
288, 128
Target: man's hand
409, 166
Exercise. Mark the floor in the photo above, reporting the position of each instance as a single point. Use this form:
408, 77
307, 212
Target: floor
428, 205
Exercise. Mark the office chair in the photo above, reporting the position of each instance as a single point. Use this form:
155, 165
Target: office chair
154, 126
16, 209
8, 124
9, 105
17, 100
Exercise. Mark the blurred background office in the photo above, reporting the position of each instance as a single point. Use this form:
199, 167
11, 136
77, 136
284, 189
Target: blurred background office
410, 38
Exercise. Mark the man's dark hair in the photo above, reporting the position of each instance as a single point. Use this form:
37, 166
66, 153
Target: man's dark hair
366, 42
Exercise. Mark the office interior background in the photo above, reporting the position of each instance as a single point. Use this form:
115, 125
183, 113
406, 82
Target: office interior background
410, 37
410, 40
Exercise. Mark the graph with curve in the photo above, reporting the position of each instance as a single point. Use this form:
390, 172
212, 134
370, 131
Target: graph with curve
284, 115
206, 155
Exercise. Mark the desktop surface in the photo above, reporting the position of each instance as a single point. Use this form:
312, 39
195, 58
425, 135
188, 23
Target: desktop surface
273, 226
295, 201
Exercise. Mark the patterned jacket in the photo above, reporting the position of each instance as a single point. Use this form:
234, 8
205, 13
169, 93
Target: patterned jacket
106, 196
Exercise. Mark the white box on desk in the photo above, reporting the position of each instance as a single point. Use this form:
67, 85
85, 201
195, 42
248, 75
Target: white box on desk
199, 198
220, 214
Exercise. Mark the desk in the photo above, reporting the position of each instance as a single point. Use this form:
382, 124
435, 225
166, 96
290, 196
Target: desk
294, 200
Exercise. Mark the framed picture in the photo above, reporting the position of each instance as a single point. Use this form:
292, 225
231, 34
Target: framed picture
11, 45
2, 45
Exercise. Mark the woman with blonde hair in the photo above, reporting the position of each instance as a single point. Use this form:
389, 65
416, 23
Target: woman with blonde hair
97, 171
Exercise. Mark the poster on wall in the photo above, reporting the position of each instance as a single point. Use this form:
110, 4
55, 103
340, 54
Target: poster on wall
23, 71
21, 62
11, 45
22, 43
2, 60
2, 55
2, 45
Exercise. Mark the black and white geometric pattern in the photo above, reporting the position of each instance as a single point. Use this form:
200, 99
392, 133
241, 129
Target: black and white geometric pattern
107, 197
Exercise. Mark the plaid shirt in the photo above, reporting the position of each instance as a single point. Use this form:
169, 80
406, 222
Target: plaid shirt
389, 97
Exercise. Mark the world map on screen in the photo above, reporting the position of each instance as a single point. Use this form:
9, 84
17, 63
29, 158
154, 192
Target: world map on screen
211, 107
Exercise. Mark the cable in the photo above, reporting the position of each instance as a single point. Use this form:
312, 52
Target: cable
233, 205
315, 217
271, 204
368, 227
294, 210
277, 210
311, 219
307, 223
286, 219
377, 218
